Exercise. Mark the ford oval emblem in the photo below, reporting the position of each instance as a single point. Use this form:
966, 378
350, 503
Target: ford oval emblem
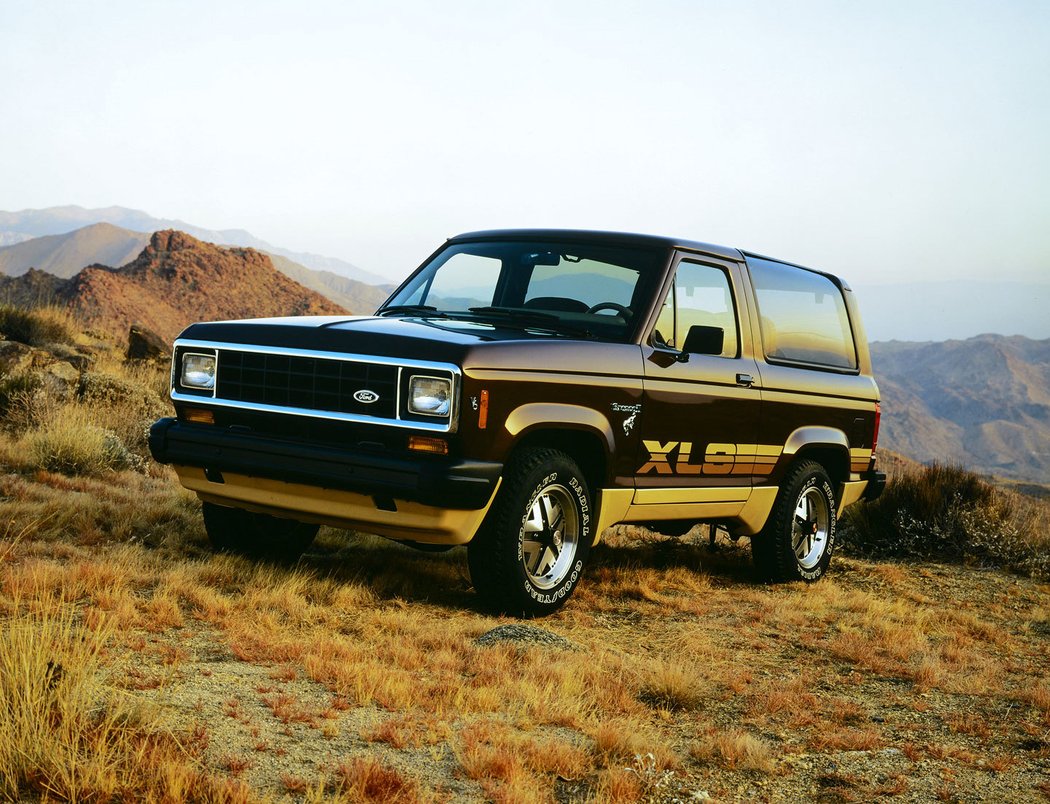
366, 397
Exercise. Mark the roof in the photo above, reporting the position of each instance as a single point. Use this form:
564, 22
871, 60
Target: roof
598, 237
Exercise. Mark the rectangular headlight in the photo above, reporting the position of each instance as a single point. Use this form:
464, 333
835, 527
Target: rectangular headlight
430, 396
198, 371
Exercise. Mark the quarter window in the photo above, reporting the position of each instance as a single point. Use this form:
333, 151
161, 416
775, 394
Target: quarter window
802, 316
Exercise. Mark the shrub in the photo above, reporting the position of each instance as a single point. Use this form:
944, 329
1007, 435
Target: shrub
15, 390
72, 445
948, 513
37, 327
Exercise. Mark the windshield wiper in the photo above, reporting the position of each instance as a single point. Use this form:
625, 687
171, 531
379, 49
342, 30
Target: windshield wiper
531, 317
407, 309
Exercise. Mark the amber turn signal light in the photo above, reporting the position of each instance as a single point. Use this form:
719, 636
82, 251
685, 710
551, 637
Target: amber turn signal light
198, 415
424, 444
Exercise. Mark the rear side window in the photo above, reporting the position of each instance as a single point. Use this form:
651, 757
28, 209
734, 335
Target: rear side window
802, 316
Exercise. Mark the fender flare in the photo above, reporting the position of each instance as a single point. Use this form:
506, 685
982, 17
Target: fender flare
560, 415
815, 437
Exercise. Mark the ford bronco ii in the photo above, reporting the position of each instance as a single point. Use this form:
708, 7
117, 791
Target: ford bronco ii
524, 390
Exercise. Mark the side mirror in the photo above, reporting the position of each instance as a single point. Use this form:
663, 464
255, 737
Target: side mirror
703, 340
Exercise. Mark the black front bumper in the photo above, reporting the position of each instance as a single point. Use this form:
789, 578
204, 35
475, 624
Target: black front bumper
430, 480
876, 484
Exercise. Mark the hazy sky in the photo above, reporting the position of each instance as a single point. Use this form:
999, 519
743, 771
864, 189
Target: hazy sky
881, 141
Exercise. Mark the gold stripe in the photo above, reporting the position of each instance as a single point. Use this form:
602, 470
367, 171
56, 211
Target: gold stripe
686, 495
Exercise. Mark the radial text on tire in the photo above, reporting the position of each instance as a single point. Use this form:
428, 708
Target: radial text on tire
799, 537
531, 550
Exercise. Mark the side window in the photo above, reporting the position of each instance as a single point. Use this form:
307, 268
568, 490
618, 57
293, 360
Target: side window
802, 316
701, 298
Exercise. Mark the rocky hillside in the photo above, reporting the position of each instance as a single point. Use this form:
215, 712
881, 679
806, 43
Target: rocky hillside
176, 280
982, 402
65, 254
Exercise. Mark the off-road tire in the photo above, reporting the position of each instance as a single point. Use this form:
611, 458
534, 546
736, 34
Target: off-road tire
257, 535
798, 539
542, 517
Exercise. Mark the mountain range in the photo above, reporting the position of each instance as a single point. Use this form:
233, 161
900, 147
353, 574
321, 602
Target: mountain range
175, 280
64, 255
918, 310
983, 402
26, 223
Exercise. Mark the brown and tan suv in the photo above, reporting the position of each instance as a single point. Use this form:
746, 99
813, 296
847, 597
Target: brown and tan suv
524, 390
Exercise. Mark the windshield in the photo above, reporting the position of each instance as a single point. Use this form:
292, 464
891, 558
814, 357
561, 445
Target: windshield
577, 289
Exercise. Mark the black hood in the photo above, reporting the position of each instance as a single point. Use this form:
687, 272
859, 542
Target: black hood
420, 338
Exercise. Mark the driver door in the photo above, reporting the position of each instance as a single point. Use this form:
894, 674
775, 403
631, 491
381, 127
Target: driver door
701, 399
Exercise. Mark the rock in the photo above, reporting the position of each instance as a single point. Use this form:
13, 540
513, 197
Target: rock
14, 357
145, 344
71, 355
527, 634
60, 380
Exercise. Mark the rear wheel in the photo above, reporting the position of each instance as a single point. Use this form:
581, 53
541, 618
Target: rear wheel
259, 535
797, 542
530, 552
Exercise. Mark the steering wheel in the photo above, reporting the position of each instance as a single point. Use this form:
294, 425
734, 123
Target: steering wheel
624, 312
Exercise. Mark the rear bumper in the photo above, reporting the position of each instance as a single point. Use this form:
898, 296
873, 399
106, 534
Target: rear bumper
876, 485
429, 480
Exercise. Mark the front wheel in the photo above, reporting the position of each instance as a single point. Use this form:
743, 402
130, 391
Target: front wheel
530, 552
259, 535
799, 537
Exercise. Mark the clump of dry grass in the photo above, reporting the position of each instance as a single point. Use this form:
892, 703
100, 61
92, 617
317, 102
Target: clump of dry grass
509, 763
948, 513
734, 749
16, 395
368, 779
39, 326
672, 686
71, 443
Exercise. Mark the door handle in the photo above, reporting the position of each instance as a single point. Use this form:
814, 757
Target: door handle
745, 379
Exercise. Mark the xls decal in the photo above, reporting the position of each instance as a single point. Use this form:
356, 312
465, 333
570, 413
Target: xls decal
676, 458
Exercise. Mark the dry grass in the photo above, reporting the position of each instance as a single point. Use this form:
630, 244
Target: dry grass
355, 675
949, 513
38, 327
67, 734
735, 749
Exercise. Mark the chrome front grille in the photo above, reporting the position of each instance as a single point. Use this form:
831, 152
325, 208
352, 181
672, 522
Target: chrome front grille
307, 383
330, 385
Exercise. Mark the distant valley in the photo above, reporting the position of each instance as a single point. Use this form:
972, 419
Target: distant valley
983, 402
